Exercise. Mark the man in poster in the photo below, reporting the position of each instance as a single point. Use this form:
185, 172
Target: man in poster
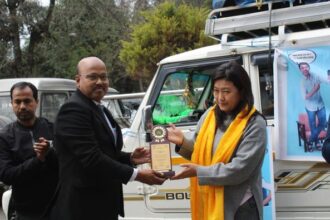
314, 105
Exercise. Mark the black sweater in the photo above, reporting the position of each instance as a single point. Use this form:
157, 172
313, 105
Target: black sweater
33, 181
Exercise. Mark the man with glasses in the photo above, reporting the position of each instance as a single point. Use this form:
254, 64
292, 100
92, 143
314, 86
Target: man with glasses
89, 143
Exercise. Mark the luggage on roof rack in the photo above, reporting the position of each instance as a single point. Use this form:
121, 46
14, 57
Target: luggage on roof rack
225, 3
254, 20
218, 3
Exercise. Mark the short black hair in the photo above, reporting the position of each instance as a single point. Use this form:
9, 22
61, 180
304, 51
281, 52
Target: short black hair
23, 85
235, 73
303, 63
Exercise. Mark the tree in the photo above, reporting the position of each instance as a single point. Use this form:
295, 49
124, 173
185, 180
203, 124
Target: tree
19, 20
168, 29
95, 28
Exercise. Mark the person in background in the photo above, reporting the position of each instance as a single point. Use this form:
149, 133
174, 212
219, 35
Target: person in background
27, 161
314, 105
226, 152
89, 144
326, 144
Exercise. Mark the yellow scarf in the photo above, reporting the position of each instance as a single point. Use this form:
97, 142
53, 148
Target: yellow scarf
207, 202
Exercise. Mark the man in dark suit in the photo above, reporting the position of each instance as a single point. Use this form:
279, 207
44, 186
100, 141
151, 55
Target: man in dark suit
89, 143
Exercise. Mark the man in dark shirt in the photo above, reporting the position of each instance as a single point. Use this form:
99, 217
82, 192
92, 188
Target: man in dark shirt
27, 161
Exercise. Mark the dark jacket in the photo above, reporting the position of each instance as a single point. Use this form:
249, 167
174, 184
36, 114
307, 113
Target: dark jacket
33, 181
92, 166
326, 145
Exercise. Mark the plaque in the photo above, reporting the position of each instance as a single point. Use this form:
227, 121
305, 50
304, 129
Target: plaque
161, 151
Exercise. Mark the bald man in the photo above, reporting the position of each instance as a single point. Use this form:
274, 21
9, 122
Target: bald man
89, 143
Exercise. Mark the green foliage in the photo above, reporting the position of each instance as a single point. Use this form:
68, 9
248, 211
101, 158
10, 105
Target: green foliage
80, 28
95, 28
18, 21
168, 29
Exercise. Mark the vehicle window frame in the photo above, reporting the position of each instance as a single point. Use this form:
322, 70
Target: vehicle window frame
265, 82
41, 104
166, 69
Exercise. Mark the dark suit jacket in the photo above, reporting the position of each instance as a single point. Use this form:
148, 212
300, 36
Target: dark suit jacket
92, 166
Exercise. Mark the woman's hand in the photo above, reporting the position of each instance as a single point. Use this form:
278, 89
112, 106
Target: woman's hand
175, 135
189, 170
140, 155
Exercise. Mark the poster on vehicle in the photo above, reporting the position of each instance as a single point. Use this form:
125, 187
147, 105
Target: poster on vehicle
302, 88
268, 189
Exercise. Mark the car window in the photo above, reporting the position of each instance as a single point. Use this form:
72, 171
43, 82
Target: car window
118, 111
51, 103
180, 98
6, 110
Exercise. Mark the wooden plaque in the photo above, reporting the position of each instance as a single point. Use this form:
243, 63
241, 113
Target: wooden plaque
161, 151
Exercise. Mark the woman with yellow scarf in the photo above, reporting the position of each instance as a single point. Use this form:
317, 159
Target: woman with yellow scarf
226, 152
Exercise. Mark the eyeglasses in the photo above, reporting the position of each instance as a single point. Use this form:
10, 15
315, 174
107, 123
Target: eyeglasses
94, 77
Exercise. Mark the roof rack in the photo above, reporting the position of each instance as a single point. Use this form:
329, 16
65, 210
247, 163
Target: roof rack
254, 20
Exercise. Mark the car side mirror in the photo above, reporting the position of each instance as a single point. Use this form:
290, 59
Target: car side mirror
147, 121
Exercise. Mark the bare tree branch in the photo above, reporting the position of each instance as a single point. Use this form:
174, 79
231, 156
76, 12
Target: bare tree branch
14, 36
38, 32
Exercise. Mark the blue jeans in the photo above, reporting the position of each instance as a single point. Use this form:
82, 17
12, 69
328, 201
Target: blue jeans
316, 129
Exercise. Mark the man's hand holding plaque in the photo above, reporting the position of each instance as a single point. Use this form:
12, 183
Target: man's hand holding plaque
161, 152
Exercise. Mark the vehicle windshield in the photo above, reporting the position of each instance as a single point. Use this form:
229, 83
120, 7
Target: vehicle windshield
182, 98
118, 111
51, 102
6, 109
